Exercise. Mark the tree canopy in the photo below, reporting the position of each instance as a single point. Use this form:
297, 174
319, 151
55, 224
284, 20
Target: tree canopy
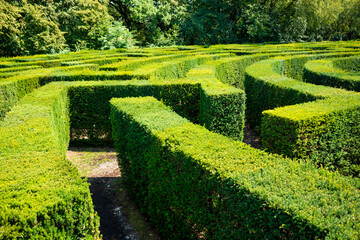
47, 26
51, 26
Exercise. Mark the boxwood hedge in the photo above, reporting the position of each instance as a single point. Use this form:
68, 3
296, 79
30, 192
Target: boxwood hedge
340, 73
324, 129
192, 183
42, 195
197, 184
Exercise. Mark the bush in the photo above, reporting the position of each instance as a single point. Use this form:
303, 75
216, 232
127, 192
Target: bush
187, 185
43, 195
90, 109
222, 108
14, 88
117, 36
334, 72
138, 63
324, 131
349, 63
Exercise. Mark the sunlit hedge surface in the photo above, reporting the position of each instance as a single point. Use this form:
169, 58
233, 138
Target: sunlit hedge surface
203, 184
178, 131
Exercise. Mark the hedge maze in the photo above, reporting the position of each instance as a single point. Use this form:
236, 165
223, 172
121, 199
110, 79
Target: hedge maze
176, 117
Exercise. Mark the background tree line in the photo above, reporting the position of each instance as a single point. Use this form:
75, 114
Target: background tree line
50, 26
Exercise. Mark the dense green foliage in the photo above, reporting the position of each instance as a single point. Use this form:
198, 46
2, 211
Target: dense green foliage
35, 27
42, 195
90, 109
222, 108
234, 21
219, 187
153, 22
192, 183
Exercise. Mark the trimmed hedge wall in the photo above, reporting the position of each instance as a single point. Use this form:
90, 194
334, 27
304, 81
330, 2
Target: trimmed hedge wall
349, 64
18, 69
264, 93
15, 88
326, 131
89, 105
90, 109
294, 65
222, 108
334, 72
42, 195
203, 184
232, 70
134, 64
223, 189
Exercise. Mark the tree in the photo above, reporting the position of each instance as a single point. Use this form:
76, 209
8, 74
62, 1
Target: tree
84, 22
28, 29
208, 22
41, 26
153, 22
255, 24
117, 36
348, 22
46, 26
40, 33
10, 33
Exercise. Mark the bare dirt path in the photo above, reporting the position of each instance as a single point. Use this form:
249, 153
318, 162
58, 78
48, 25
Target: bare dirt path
251, 138
119, 217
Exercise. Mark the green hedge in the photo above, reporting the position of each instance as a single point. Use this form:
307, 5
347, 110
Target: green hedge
177, 68
14, 88
196, 176
91, 75
196, 184
326, 131
294, 65
232, 70
90, 109
104, 60
263, 93
71, 63
18, 69
222, 107
9, 65
349, 64
133, 64
42, 195
334, 72
171, 69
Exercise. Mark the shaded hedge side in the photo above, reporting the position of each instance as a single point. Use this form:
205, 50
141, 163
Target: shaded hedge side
223, 189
